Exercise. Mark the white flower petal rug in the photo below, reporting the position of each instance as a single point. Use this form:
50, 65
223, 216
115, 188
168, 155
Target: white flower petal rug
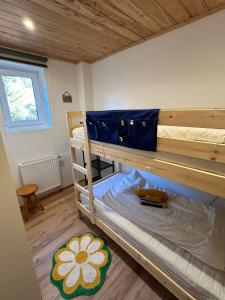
79, 267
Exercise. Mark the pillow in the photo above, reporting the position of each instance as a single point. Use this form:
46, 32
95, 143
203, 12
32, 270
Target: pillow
128, 182
131, 182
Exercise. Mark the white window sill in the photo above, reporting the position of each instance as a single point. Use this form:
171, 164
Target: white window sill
27, 128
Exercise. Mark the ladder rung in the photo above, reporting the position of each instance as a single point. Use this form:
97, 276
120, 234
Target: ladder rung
80, 168
82, 189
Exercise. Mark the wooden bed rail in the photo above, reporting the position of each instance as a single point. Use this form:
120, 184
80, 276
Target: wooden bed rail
200, 118
202, 150
209, 182
207, 151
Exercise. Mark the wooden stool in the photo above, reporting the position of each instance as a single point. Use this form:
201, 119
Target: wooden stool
28, 193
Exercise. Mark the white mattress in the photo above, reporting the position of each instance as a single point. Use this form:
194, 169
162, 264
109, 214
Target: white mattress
183, 133
186, 133
201, 280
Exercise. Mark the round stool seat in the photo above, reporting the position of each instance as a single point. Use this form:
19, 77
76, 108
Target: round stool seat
27, 190
28, 193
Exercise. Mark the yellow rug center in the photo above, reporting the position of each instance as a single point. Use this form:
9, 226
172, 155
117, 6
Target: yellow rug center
81, 257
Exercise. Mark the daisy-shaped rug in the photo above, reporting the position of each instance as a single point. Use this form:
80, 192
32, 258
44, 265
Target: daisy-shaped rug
80, 266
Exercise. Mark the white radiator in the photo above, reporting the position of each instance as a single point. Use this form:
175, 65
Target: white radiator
44, 172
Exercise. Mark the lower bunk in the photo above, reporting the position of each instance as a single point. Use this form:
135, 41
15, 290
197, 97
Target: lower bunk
157, 242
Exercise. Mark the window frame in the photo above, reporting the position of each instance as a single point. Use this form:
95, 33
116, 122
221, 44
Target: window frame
36, 74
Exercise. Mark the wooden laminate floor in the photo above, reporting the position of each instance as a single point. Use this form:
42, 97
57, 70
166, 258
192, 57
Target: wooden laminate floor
46, 231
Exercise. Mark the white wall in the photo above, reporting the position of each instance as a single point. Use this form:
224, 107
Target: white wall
23, 146
85, 86
182, 68
18, 280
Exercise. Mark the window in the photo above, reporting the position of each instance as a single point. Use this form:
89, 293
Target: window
23, 97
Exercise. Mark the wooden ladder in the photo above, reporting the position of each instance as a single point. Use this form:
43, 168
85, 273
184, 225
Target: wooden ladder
86, 171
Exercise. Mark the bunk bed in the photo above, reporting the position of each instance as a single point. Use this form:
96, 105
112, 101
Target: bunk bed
185, 154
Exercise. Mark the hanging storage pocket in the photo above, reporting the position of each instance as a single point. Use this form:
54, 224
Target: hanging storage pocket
123, 134
130, 128
107, 131
92, 129
147, 134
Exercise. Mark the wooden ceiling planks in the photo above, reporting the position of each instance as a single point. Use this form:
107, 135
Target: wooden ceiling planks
68, 11
88, 30
129, 8
63, 22
68, 39
111, 12
101, 19
175, 9
156, 12
195, 7
213, 3
8, 21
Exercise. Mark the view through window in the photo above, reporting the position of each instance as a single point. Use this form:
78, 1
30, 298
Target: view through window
23, 97
20, 96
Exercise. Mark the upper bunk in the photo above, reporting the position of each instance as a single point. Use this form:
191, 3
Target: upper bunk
175, 151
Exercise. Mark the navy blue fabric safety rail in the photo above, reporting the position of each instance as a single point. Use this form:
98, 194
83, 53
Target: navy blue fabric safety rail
130, 128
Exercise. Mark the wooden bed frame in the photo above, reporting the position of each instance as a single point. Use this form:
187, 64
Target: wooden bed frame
211, 182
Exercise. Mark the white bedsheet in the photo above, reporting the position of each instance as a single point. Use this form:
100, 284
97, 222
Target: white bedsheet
203, 281
194, 226
174, 132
